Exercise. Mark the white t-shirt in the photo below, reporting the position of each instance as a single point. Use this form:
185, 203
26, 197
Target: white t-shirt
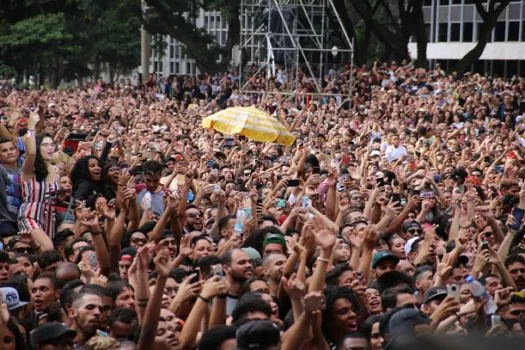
392, 154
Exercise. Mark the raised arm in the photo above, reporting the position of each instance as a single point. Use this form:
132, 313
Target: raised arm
28, 169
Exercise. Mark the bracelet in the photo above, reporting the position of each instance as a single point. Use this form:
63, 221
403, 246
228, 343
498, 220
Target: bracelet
323, 260
206, 300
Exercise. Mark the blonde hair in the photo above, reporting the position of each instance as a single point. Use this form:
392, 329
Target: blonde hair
102, 343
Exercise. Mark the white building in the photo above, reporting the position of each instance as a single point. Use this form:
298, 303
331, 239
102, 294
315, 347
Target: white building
452, 30
175, 61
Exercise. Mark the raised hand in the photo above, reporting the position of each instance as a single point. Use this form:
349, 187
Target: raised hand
293, 286
214, 286
163, 264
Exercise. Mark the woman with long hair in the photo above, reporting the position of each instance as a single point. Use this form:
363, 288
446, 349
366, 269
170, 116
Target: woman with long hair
87, 179
39, 187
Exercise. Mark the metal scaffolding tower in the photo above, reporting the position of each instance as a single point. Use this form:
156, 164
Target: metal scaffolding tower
293, 34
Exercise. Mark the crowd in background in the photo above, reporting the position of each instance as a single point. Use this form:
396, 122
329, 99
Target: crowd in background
396, 214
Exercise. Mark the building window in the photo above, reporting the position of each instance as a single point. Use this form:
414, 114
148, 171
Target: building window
468, 31
442, 35
172, 51
512, 68
455, 31
171, 68
177, 67
444, 2
499, 31
428, 32
188, 68
514, 31
427, 3
456, 2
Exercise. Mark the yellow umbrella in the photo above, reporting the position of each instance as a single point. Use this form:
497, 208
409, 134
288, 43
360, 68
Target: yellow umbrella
250, 122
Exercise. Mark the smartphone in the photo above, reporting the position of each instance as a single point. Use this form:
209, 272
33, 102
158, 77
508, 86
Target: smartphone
197, 277
293, 183
216, 188
210, 163
214, 172
396, 197
495, 320
93, 263
403, 202
218, 270
307, 202
484, 245
281, 203
453, 291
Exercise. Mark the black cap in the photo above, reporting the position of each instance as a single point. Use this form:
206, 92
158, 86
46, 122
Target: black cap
434, 293
51, 332
258, 335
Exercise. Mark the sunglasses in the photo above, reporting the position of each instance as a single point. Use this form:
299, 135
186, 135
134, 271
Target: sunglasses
195, 215
415, 230
517, 312
139, 240
24, 250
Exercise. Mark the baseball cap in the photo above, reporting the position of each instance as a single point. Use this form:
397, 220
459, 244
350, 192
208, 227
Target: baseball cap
11, 298
433, 293
408, 224
257, 335
406, 319
383, 255
375, 153
409, 244
254, 255
50, 332
274, 238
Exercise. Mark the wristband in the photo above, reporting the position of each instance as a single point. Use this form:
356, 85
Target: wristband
323, 260
206, 300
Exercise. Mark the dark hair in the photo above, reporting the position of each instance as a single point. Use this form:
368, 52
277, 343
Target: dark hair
200, 237
4, 257
97, 289
333, 275
335, 293
68, 249
48, 258
206, 262
369, 324
123, 315
483, 279
511, 259
223, 221
213, 338
62, 236
420, 270
389, 296
250, 302
116, 287
67, 293
53, 312
41, 171
80, 171
49, 276
246, 286
152, 167
256, 239
19, 340
82, 250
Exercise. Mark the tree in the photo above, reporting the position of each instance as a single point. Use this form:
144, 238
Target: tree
401, 20
490, 17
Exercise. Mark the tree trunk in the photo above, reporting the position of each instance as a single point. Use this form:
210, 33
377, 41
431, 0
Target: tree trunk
473, 55
421, 35
392, 40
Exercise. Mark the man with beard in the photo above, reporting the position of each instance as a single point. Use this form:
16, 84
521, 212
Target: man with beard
85, 313
516, 266
238, 268
193, 219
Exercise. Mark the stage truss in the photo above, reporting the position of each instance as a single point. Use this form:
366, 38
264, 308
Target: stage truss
294, 35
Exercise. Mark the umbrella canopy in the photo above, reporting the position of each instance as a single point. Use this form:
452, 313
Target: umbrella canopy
251, 123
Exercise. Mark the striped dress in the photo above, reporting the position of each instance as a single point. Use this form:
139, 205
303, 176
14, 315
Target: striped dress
37, 211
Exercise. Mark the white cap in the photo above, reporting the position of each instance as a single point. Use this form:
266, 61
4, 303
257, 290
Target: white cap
409, 243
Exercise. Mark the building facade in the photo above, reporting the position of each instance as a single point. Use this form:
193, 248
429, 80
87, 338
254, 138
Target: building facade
174, 60
452, 30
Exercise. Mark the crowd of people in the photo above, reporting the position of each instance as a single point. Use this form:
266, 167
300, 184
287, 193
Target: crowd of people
397, 213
